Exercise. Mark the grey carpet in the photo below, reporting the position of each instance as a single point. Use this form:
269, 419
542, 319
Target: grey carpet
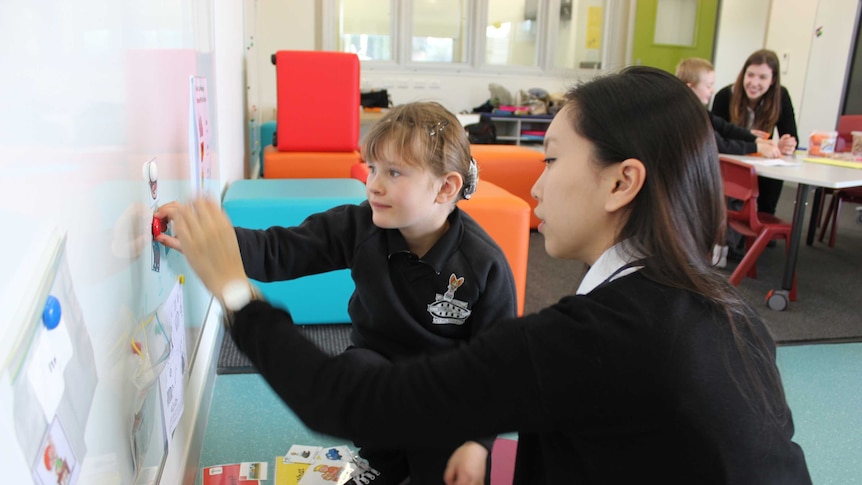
828, 308
331, 338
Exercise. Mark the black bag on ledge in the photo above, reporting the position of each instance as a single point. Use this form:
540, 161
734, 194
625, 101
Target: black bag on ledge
482, 133
375, 99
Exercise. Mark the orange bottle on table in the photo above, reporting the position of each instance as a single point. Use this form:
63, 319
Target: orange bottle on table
822, 143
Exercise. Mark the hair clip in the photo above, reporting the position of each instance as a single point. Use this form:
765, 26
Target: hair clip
437, 128
472, 180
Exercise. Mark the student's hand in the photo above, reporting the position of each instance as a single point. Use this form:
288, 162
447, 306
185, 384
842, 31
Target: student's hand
768, 148
167, 212
209, 243
787, 144
467, 465
760, 134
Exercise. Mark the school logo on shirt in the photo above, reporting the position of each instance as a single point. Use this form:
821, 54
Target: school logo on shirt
446, 309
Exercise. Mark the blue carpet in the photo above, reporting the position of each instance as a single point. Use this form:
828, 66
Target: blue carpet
824, 388
248, 422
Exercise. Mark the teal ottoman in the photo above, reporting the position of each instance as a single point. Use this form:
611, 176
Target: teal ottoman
262, 203
267, 130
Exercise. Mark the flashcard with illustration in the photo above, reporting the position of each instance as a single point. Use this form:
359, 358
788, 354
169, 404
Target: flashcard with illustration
302, 454
333, 466
257, 470
288, 472
55, 463
225, 475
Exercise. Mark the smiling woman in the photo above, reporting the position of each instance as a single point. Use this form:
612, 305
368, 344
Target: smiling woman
758, 101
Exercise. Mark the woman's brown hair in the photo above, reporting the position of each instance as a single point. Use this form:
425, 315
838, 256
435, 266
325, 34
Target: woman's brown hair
768, 109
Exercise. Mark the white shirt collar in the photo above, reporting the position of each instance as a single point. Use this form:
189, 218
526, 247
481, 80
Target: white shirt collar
606, 267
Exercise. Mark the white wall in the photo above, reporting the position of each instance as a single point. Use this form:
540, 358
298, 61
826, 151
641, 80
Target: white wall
791, 25
819, 104
741, 31
228, 42
457, 91
281, 25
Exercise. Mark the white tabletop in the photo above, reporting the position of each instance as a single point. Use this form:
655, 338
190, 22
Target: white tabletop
802, 172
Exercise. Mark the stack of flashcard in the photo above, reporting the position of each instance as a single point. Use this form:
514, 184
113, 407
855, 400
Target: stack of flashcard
246, 473
315, 465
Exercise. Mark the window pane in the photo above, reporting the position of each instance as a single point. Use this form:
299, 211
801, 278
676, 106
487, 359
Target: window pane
579, 37
439, 30
675, 22
365, 28
510, 36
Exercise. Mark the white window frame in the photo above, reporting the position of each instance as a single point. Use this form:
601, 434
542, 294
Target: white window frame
548, 28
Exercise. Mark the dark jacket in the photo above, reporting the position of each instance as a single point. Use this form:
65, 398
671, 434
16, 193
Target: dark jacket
786, 123
395, 309
633, 382
732, 139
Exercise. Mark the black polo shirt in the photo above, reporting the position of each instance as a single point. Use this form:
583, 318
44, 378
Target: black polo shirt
402, 305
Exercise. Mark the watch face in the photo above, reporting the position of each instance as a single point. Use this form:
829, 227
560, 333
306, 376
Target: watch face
236, 294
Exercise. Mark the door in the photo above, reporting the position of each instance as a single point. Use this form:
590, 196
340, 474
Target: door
667, 31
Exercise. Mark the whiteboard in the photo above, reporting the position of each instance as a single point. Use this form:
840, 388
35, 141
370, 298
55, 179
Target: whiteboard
91, 91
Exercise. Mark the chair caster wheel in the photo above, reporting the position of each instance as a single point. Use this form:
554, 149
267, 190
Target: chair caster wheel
777, 300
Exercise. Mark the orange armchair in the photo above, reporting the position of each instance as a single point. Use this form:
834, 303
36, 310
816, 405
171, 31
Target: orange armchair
317, 127
512, 167
506, 218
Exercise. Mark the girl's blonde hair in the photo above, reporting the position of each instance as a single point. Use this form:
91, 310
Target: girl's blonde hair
426, 135
689, 70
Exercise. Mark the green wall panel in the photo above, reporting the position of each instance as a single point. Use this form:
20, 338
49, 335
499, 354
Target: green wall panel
646, 52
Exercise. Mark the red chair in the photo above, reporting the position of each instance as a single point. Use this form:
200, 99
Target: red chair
758, 228
846, 125
317, 131
853, 195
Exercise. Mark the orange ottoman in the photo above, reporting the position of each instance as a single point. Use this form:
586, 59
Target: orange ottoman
286, 165
506, 218
512, 167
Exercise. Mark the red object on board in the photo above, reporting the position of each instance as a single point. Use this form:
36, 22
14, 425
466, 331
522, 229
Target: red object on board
159, 226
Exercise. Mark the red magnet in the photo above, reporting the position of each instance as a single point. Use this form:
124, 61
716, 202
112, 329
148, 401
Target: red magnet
159, 226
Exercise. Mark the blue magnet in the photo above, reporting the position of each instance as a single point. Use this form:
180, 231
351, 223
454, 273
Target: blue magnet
52, 312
